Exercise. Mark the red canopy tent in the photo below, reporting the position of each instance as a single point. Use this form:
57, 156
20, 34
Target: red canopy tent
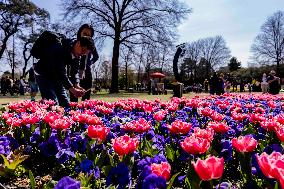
157, 75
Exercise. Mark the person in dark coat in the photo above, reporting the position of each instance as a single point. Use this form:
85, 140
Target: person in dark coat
51, 74
86, 61
213, 82
273, 82
32, 83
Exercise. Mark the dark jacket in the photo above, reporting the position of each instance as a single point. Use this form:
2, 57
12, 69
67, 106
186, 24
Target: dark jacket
54, 61
31, 75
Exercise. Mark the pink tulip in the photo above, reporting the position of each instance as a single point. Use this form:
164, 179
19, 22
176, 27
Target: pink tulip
210, 168
163, 169
179, 127
195, 145
244, 143
124, 145
267, 163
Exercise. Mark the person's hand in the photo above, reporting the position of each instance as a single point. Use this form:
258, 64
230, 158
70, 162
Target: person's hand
77, 92
77, 86
81, 74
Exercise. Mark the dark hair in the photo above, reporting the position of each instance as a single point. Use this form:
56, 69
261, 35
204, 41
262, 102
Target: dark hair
86, 41
87, 26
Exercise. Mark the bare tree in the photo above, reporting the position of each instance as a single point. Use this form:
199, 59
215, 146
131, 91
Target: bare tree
215, 51
127, 55
129, 21
14, 16
268, 46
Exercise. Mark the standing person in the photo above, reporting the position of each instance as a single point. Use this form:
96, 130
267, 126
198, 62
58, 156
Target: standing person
220, 85
32, 83
85, 73
206, 83
50, 72
273, 83
213, 83
3, 90
22, 86
264, 84
242, 86
9, 85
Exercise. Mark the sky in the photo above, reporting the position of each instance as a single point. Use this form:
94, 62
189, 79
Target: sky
238, 21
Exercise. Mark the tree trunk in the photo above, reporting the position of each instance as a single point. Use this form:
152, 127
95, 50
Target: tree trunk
115, 58
26, 60
4, 45
126, 75
278, 65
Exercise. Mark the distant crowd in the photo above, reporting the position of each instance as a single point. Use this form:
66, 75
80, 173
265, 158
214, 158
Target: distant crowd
220, 84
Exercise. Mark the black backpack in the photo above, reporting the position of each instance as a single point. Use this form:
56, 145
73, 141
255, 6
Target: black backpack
44, 41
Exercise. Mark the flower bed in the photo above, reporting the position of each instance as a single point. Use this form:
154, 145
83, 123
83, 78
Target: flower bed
230, 141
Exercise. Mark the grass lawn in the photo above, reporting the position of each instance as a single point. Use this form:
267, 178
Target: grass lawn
4, 100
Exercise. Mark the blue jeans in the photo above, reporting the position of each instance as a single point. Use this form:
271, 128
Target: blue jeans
53, 90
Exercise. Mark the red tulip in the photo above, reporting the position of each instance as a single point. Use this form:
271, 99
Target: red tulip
203, 133
30, 118
14, 121
163, 170
139, 126
206, 111
61, 123
254, 118
124, 145
210, 168
270, 124
267, 163
99, 132
93, 120
244, 143
172, 107
280, 118
195, 145
218, 127
238, 116
217, 117
259, 110
179, 127
159, 116
280, 133
272, 104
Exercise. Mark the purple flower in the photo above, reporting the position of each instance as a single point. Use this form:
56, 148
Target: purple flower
7, 144
119, 175
153, 181
67, 183
78, 143
227, 150
35, 136
64, 155
273, 147
86, 165
50, 148
224, 185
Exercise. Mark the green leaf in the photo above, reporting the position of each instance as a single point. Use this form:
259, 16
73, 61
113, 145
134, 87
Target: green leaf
170, 153
101, 158
187, 183
32, 180
19, 159
106, 169
111, 160
50, 185
6, 162
171, 182
276, 185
